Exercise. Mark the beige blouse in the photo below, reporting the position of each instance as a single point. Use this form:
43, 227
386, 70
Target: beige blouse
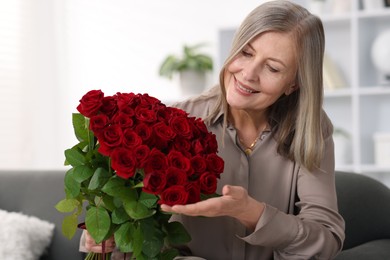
301, 219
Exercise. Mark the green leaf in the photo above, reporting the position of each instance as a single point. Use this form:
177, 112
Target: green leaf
169, 254
97, 221
137, 210
138, 239
82, 173
116, 187
99, 179
80, 127
191, 59
149, 200
67, 205
153, 238
123, 237
119, 216
69, 226
177, 234
72, 187
108, 202
74, 157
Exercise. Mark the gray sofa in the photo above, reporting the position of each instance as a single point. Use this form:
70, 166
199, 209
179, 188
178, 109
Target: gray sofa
363, 202
365, 205
35, 193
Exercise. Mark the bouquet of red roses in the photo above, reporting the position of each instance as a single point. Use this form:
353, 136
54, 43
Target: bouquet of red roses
134, 154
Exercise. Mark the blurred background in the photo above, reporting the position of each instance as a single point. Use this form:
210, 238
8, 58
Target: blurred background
53, 51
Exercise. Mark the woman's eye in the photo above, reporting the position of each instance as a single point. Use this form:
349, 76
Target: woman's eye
246, 54
272, 69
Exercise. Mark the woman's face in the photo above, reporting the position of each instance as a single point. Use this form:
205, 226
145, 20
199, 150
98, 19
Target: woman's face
264, 70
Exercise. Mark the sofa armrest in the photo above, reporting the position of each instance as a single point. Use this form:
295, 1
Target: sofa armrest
36, 193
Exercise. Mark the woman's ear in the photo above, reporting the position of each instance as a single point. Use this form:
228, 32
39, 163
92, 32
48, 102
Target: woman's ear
291, 89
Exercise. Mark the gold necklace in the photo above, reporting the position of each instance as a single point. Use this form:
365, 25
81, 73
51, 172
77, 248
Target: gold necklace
249, 150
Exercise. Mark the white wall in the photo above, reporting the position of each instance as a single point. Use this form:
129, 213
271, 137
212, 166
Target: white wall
68, 47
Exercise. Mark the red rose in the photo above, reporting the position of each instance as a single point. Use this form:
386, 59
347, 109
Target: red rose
145, 114
178, 160
156, 161
90, 103
181, 144
110, 138
198, 163
208, 183
131, 139
125, 100
154, 182
198, 147
98, 123
193, 189
123, 162
210, 142
175, 176
122, 119
148, 101
199, 123
109, 106
215, 163
144, 131
163, 114
174, 195
163, 131
129, 111
181, 127
141, 153
163, 134
177, 111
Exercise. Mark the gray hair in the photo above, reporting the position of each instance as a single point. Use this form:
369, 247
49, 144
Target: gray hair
296, 118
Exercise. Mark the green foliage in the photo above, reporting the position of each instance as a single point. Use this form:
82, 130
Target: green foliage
190, 59
114, 206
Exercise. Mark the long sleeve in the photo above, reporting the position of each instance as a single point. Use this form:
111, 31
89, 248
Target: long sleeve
317, 231
301, 219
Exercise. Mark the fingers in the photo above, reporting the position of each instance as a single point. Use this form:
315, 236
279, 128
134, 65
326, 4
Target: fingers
235, 192
209, 207
190, 209
90, 244
166, 208
174, 209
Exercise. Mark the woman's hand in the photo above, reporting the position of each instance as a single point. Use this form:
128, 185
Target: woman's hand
91, 245
234, 202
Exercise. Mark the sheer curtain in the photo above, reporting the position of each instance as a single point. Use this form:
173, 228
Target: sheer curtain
28, 85
53, 52
10, 81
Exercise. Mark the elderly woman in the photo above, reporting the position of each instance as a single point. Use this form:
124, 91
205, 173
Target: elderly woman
278, 189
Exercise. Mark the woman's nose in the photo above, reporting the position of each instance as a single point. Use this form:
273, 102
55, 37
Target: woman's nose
249, 73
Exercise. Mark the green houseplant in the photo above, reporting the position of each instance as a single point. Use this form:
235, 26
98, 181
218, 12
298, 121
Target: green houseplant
191, 66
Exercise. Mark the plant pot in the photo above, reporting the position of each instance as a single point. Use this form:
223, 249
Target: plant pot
192, 82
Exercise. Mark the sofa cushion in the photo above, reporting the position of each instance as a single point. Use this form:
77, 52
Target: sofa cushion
22, 236
377, 249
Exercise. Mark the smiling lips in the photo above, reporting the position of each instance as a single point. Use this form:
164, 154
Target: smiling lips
245, 89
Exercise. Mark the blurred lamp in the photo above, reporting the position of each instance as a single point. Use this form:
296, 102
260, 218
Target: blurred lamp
380, 54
